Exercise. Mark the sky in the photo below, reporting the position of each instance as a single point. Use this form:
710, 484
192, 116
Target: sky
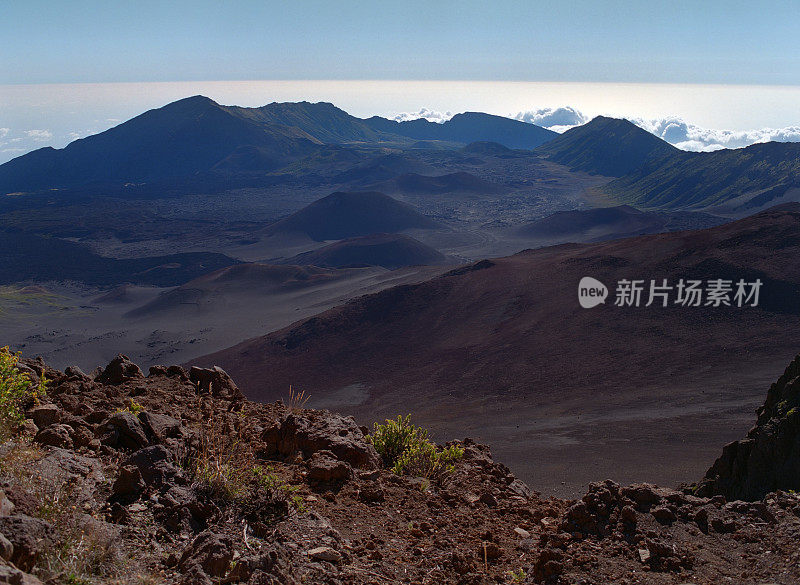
697, 41
704, 74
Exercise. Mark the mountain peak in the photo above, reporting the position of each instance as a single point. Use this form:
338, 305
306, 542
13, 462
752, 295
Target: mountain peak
606, 146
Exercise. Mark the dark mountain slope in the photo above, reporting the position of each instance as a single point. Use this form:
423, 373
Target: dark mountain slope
742, 178
467, 128
606, 146
26, 257
346, 215
225, 285
606, 223
182, 138
505, 344
322, 120
387, 250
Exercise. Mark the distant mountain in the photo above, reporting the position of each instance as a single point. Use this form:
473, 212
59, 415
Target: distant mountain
346, 215
198, 137
322, 120
606, 146
387, 250
180, 139
606, 223
740, 179
460, 182
467, 128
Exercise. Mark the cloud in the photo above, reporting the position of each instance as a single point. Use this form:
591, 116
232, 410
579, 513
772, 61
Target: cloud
690, 137
558, 119
4, 132
674, 130
429, 115
39, 135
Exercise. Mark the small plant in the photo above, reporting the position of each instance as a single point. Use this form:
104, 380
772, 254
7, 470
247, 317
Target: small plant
133, 407
426, 460
394, 437
276, 490
406, 450
226, 466
517, 576
223, 461
297, 401
17, 390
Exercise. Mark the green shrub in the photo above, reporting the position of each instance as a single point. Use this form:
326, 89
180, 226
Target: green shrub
132, 407
406, 450
17, 390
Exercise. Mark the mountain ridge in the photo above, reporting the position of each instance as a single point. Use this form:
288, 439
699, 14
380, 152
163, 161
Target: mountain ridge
606, 146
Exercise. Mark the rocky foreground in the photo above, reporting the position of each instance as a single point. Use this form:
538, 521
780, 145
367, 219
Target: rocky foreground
175, 477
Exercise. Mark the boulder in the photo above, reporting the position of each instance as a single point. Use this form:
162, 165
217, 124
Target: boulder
160, 427
128, 485
314, 431
215, 381
45, 415
120, 369
6, 505
768, 459
210, 552
28, 536
325, 553
76, 373
56, 435
123, 430
324, 467
155, 464
6, 548
183, 510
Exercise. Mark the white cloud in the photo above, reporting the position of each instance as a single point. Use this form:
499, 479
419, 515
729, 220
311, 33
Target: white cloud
429, 115
690, 137
674, 130
4, 132
557, 119
39, 135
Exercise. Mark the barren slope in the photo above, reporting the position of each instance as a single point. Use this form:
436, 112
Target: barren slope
502, 350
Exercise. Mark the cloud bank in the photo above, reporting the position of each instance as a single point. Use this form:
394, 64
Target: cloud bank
674, 130
556, 119
424, 113
16, 142
690, 137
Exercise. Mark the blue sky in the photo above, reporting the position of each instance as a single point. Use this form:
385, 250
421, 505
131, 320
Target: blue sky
729, 42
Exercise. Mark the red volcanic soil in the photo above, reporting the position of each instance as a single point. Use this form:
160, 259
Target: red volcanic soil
502, 351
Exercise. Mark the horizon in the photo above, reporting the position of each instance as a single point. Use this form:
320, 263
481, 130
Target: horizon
689, 116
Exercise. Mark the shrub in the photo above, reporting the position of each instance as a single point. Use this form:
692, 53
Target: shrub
406, 450
132, 407
395, 437
226, 466
425, 460
17, 390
